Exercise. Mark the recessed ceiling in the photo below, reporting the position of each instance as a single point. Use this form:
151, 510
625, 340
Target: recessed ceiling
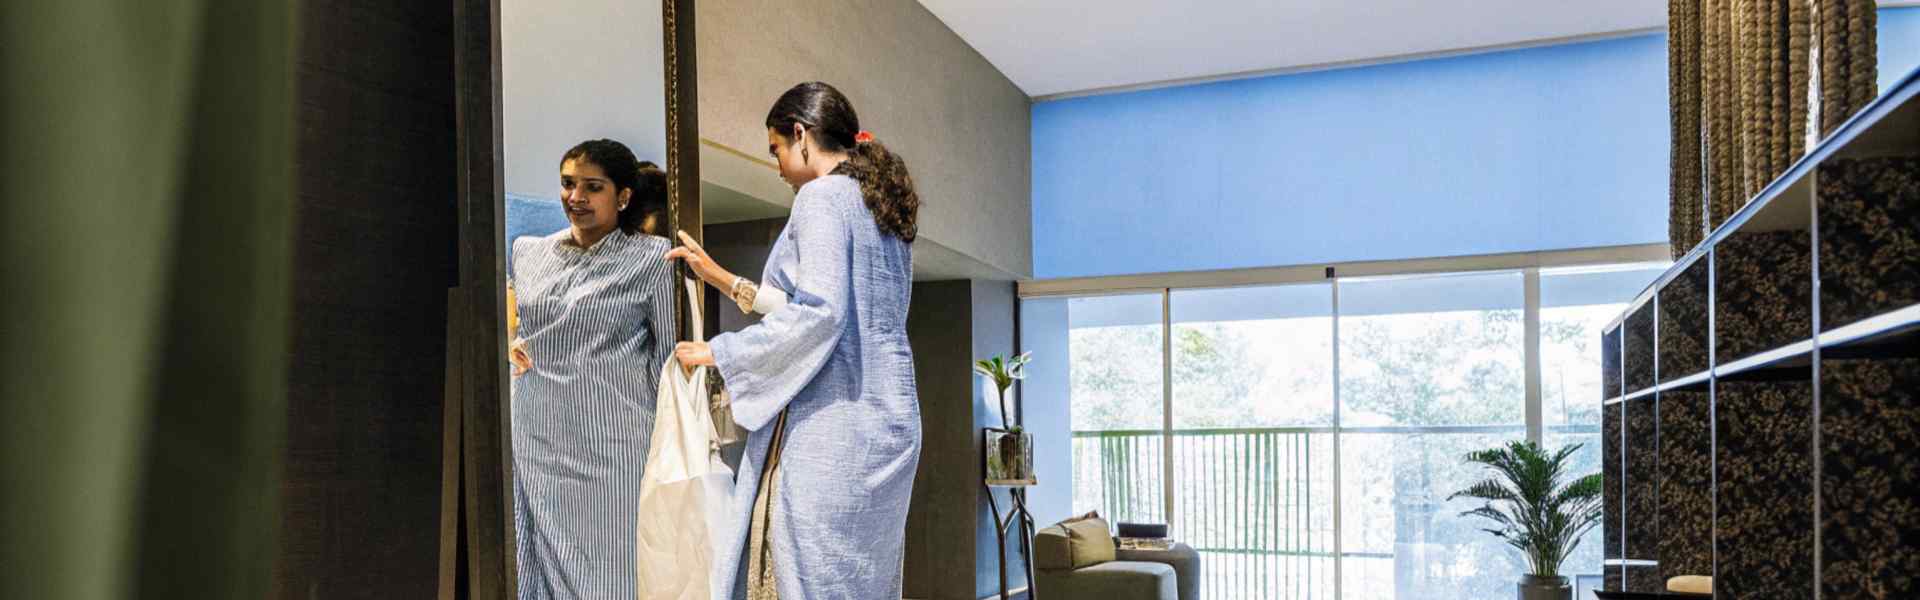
1055, 47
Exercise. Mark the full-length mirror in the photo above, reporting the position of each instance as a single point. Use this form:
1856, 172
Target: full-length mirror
591, 299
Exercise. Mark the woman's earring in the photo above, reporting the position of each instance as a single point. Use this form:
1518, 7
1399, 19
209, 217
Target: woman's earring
803, 156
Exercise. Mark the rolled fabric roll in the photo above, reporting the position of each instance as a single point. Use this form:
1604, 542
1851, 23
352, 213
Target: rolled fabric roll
1690, 584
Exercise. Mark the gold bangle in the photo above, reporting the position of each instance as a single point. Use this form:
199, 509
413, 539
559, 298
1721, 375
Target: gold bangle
743, 293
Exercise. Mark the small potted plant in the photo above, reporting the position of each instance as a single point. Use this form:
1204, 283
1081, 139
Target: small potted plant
1533, 512
1013, 447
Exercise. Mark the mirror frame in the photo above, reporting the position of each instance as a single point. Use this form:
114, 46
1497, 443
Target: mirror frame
477, 545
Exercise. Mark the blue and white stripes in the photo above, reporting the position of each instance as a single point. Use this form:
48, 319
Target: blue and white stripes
598, 323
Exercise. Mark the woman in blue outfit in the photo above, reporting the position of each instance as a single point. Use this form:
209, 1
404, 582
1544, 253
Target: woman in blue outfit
595, 303
824, 382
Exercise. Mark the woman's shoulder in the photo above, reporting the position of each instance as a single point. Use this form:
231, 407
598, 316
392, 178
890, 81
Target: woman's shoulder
649, 244
528, 245
830, 194
831, 186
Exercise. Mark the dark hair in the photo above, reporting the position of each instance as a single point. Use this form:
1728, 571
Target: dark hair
647, 180
884, 182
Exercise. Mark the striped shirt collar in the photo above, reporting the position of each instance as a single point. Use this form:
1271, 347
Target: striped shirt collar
564, 242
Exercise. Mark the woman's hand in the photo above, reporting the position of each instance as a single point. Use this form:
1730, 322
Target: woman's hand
700, 263
693, 354
517, 354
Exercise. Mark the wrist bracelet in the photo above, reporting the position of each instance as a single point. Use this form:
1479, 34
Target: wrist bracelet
743, 293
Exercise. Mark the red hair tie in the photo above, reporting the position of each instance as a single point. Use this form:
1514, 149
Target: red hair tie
863, 137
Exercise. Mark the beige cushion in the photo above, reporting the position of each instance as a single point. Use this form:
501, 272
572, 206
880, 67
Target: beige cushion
1052, 549
1090, 542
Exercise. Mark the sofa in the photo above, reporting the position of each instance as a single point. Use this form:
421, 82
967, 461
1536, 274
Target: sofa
1078, 559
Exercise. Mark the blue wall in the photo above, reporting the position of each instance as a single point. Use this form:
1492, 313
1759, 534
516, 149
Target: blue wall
530, 216
1535, 149
1899, 44
1555, 147
1045, 396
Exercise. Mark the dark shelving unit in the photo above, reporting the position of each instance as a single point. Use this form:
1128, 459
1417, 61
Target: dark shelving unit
1761, 417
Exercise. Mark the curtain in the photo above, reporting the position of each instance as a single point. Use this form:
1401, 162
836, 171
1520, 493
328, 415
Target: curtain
146, 172
1741, 86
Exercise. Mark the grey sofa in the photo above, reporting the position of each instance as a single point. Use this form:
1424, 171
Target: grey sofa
1172, 574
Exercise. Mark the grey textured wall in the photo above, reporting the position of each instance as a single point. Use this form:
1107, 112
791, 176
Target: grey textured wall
575, 70
962, 126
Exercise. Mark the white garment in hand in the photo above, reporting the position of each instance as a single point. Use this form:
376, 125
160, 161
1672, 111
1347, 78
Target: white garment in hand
685, 493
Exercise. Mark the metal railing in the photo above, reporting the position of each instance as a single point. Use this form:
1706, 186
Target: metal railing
1256, 503
1251, 502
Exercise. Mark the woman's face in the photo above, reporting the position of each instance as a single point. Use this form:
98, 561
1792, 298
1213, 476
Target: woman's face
590, 199
787, 154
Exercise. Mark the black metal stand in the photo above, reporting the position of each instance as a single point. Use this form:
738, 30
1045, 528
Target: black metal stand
1016, 514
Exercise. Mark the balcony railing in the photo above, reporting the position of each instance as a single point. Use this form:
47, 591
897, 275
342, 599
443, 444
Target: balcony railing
1262, 519
1256, 503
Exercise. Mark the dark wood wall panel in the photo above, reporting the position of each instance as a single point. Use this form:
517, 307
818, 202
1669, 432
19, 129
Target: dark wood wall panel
1764, 444
1870, 478
941, 558
374, 255
1685, 538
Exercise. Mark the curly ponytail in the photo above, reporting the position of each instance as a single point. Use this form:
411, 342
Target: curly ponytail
884, 181
886, 186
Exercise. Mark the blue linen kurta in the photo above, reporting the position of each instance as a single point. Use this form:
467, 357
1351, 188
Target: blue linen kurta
598, 324
836, 357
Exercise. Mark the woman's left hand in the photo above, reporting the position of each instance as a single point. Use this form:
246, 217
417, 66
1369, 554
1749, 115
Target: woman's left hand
701, 264
693, 354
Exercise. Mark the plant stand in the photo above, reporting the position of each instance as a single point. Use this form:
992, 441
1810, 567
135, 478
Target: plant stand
1016, 515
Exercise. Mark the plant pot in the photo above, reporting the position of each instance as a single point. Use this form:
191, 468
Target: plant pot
1532, 587
1009, 456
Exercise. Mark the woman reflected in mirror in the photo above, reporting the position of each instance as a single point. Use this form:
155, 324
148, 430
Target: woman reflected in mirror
595, 320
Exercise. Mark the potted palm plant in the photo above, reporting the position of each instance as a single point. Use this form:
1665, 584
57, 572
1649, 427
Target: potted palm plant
1012, 447
1533, 512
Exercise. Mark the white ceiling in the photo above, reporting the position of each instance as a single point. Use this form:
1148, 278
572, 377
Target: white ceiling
1053, 47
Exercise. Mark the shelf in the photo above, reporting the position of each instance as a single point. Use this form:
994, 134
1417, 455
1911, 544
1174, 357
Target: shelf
1692, 382
1638, 350
1610, 376
1629, 562
1763, 293
1887, 125
1698, 381
1797, 355
1891, 327
1869, 237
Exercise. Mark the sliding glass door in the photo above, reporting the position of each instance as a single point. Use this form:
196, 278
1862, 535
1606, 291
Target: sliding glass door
1253, 417
1431, 368
1305, 437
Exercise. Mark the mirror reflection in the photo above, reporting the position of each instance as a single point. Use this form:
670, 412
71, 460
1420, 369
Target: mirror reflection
590, 315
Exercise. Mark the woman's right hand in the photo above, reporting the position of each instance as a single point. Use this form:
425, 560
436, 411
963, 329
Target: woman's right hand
517, 354
701, 264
